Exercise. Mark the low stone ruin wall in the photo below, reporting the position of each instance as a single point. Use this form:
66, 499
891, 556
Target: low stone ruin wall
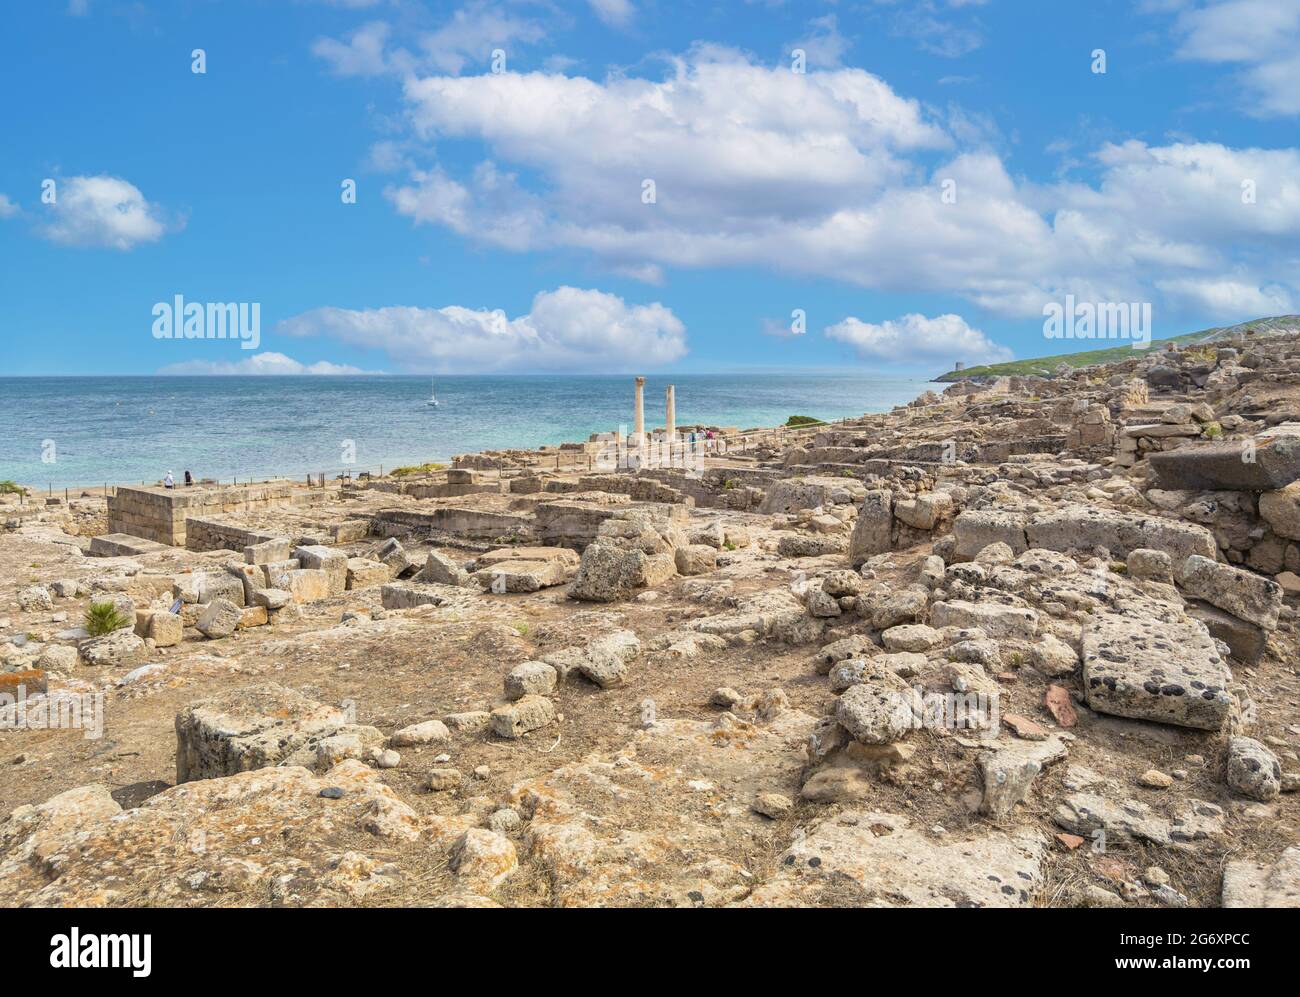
463, 522
209, 534
160, 514
1138, 442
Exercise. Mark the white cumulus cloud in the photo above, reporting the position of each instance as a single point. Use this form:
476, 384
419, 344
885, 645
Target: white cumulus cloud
362, 54
467, 38
568, 329
1229, 299
259, 363
615, 13
834, 174
1260, 36
7, 207
101, 211
916, 339
822, 175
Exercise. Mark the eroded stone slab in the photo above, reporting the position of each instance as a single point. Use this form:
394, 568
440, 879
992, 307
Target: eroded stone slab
1083, 527
1263, 884
1151, 669
1244, 594
869, 859
1123, 822
1010, 770
1220, 467
259, 727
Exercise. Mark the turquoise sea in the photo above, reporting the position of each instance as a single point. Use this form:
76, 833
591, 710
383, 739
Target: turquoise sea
84, 431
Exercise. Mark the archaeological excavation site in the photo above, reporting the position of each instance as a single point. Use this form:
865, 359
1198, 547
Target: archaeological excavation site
1029, 641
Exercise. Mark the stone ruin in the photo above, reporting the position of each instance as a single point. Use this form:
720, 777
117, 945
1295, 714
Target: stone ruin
920, 658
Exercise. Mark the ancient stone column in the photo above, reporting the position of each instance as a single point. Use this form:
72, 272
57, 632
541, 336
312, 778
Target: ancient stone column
670, 420
638, 421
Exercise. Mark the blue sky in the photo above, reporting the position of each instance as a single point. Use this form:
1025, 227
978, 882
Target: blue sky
501, 223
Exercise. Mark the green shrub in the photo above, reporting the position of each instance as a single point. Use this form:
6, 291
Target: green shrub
399, 472
103, 618
9, 488
803, 420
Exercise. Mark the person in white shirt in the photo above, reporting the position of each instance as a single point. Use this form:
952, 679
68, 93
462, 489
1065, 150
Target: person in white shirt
169, 481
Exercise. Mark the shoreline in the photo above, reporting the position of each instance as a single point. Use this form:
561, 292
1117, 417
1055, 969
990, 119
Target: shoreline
384, 466
379, 469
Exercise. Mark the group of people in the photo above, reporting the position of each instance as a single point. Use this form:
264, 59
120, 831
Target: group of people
170, 482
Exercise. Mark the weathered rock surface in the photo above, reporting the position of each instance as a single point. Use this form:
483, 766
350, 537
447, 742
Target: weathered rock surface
442, 569
1220, 466
525, 569
1088, 814
1086, 527
219, 619
1252, 769
650, 836
608, 573
1010, 770
1245, 595
1166, 670
530, 678
879, 707
528, 714
258, 727
121, 647
871, 531
976, 529
1263, 884
994, 619
868, 859
266, 836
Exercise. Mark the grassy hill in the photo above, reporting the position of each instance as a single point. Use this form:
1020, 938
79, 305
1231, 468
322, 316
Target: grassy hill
1047, 365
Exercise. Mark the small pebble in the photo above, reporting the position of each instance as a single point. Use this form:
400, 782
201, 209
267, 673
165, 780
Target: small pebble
505, 821
1168, 896
1155, 876
772, 805
441, 780
1155, 779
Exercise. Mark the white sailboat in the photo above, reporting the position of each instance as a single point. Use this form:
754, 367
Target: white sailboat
433, 396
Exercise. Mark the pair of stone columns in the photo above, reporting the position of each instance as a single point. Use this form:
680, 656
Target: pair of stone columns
638, 422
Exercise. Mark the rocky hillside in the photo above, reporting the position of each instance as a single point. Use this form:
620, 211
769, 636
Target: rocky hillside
1062, 362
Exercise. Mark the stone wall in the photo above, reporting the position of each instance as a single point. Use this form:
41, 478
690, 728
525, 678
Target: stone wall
1090, 426
461, 522
160, 514
208, 534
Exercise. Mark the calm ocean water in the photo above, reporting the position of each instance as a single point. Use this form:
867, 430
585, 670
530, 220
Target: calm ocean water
81, 431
